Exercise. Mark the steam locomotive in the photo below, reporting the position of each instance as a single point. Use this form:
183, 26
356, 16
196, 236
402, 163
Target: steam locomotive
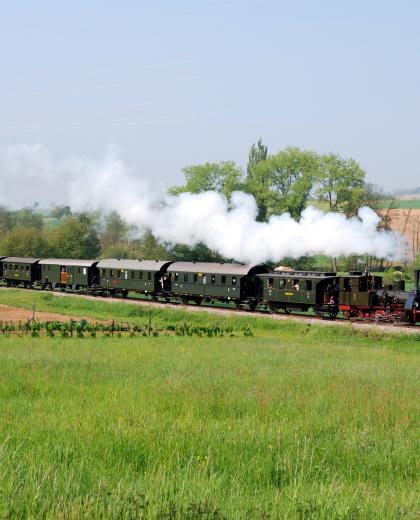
354, 295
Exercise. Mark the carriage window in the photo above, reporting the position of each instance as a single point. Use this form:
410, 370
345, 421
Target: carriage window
223, 278
296, 285
49, 267
79, 270
185, 277
149, 275
176, 277
213, 279
111, 273
270, 283
308, 285
21, 267
27, 267
132, 275
84, 270
195, 277
282, 283
204, 279
141, 275
233, 280
103, 272
118, 273
347, 284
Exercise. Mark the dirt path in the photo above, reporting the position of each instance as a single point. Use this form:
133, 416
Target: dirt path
392, 329
16, 314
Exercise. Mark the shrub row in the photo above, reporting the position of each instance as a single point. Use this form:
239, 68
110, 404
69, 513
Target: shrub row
83, 328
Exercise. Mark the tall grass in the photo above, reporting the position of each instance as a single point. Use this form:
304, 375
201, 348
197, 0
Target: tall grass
295, 422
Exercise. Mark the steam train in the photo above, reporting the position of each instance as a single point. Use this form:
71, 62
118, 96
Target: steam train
247, 286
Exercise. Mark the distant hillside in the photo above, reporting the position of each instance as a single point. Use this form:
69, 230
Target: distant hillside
413, 191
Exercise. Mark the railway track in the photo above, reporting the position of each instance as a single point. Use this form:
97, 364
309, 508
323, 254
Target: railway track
359, 324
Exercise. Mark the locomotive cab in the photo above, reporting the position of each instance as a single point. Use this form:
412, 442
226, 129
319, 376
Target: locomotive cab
412, 303
358, 293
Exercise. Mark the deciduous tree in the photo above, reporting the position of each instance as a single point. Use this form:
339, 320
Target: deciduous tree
257, 153
223, 177
341, 184
283, 182
26, 242
76, 237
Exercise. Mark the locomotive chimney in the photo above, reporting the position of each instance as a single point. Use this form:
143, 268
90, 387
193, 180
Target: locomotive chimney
417, 278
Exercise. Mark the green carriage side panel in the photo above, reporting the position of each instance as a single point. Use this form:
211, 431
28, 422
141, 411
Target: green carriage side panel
142, 276
221, 281
18, 269
68, 272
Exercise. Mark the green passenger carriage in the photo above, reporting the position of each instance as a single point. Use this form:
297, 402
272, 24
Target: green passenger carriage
141, 276
198, 281
20, 271
61, 273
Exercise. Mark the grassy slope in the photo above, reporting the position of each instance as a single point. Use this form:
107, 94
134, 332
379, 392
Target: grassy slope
295, 422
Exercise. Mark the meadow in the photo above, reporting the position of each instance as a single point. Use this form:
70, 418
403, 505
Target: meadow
400, 204
295, 421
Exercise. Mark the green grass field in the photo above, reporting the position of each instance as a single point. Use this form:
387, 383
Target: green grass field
400, 204
296, 421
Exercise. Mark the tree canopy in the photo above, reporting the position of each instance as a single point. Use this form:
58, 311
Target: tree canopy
341, 184
223, 177
26, 242
283, 182
257, 153
76, 237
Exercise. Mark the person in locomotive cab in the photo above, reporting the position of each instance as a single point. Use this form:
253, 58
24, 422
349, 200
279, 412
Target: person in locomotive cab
296, 285
329, 290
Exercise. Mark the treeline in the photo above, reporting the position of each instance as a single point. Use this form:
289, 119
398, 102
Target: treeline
288, 180
84, 235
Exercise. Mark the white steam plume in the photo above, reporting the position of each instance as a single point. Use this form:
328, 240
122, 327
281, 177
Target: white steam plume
230, 228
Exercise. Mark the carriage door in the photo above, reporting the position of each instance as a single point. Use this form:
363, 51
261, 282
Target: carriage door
63, 275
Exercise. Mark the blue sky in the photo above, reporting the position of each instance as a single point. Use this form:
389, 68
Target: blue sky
179, 83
